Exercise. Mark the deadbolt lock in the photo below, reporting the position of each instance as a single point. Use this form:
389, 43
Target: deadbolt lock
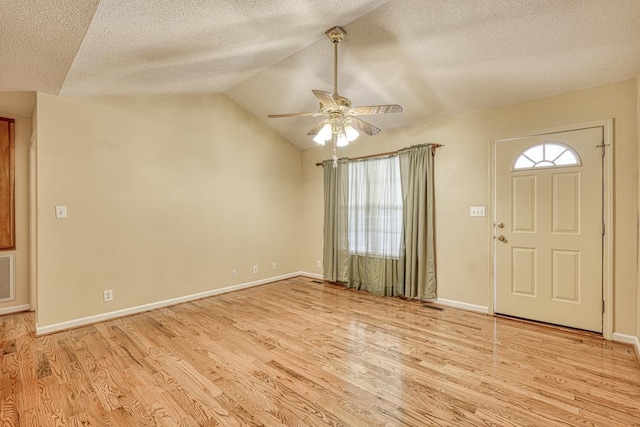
500, 225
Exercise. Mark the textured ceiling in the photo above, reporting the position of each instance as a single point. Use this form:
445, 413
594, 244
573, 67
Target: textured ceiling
434, 57
142, 46
39, 41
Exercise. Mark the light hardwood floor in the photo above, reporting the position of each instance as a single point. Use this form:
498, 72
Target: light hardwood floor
304, 354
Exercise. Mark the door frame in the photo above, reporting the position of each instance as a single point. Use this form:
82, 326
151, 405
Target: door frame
607, 200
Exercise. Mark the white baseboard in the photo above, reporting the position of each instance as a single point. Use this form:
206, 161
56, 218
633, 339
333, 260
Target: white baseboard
628, 339
15, 309
462, 305
312, 275
69, 324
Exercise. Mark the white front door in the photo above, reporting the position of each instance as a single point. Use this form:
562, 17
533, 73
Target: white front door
549, 227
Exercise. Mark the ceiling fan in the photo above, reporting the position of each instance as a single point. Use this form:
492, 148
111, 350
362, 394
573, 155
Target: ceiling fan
340, 118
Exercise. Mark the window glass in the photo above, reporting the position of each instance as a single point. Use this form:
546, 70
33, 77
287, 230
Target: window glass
547, 155
375, 207
523, 162
536, 153
553, 151
567, 158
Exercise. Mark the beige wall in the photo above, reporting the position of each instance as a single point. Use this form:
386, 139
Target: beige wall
165, 196
462, 180
22, 138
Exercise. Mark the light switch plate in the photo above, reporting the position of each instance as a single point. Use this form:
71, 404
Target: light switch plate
61, 212
477, 211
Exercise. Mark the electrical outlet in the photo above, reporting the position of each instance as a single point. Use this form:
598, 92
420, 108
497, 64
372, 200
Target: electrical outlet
255, 269
274, 266
234, 274
319, 264
107, 295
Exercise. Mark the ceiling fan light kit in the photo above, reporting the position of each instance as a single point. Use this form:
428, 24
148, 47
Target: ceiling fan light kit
341, 124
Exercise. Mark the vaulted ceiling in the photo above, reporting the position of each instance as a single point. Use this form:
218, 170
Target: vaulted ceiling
434, 57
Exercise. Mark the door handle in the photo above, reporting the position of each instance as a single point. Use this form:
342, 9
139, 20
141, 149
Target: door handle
502, 238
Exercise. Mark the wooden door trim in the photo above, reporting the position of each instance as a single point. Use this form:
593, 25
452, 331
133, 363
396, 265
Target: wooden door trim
607, 200
8, 209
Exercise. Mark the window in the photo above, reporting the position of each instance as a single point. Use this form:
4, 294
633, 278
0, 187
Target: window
375, 207
546, 155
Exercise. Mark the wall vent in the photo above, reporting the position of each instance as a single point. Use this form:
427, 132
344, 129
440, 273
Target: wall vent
6, 278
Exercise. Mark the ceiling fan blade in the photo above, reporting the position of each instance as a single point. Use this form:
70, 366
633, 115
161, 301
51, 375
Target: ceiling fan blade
377, 109
364, 127
279, 116
314, 131
325, 98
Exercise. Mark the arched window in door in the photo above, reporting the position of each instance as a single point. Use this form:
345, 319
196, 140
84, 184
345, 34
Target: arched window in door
548, 154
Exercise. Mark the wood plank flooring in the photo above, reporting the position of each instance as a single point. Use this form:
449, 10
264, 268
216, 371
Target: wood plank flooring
298, 353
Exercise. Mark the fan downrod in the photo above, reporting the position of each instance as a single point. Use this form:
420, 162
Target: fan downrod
336, 35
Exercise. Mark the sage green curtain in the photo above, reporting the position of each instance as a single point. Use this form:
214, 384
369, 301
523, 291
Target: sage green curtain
416, 167
336, 250
378, 275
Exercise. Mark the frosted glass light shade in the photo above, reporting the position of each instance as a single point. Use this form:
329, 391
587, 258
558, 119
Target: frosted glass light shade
342, 140
351, 133
324, 135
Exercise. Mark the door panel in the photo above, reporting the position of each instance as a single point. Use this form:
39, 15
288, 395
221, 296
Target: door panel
549, 248
566, 275
566, 203
524, 271
524, 203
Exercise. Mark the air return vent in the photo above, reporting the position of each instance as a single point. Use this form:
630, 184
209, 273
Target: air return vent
6, 277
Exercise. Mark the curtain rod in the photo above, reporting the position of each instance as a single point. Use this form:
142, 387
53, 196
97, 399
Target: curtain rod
390, 153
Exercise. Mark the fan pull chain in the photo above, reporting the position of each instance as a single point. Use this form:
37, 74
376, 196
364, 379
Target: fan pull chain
335, 154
